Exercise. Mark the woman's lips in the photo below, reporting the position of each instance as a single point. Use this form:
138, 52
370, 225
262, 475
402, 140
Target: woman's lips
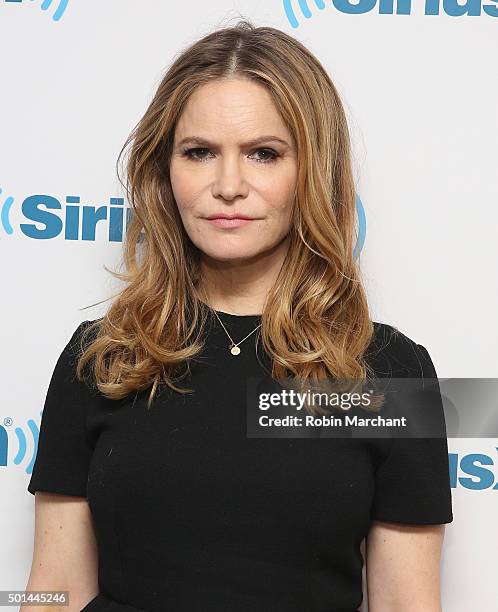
228, 223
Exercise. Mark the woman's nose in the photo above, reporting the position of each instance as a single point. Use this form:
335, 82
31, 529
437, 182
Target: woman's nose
230, 180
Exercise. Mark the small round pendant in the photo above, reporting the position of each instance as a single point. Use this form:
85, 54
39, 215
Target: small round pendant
235, 350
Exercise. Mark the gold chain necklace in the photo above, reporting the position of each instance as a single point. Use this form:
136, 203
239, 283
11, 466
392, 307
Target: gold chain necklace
234, 347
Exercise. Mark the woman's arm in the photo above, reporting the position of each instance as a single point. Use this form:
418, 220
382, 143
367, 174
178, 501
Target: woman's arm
403, 567
65, 553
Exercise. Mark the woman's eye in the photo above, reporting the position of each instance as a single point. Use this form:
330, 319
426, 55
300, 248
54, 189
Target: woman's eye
267, 160
193, 153
198, 154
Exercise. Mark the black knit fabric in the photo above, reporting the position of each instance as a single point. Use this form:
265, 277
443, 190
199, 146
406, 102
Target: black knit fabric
192, 515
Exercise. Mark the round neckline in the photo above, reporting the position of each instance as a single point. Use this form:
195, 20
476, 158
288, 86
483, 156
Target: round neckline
236, 317
231, 316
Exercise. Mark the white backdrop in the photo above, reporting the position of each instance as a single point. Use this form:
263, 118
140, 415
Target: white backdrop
421, 95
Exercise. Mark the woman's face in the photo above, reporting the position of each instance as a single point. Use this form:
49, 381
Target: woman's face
233, 155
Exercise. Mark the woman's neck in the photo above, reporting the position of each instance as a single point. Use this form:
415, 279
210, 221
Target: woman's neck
241, 286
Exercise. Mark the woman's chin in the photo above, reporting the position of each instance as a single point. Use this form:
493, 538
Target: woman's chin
226, 254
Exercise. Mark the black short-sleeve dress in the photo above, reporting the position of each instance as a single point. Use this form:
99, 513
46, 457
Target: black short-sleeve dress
191, 514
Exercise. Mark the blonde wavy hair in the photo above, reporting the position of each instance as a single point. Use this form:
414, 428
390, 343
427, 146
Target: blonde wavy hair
315, 322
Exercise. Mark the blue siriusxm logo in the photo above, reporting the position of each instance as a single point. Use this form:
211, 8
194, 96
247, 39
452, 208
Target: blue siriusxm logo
362, 227
471, 8
47, 218
46, 4
22, 444
5, 213
476, 476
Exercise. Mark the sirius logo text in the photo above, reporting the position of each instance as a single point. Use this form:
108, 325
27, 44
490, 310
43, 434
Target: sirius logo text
477, 476
74, 221
452, 8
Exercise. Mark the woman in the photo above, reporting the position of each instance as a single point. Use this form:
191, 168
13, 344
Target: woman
239, 264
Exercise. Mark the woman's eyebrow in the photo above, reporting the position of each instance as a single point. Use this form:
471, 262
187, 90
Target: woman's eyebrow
250, 143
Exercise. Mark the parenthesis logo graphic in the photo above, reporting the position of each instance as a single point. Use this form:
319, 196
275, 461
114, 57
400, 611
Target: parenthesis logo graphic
22, 443
5, 206
46, 4
305, 10
59, 11
362, 227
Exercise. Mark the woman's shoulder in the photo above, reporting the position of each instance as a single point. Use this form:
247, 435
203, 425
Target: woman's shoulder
78, 341
393, 353
84, 329
88, 326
